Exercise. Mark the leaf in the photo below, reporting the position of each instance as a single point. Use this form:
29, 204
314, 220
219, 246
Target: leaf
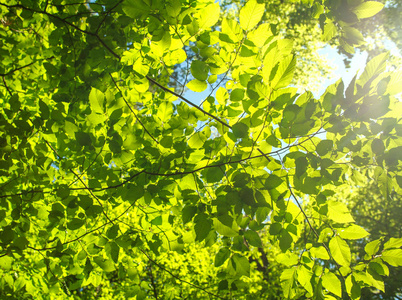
338, 212
287, 282
75, 224
284, 73
251, 14
83, 138
340, 251
106, 265
329, 32
199, 70
372, 247
368, 9
394, 86
353, 232
96, 99
202, 227
240, 130
324, 147
221, 256
173, 8
209, 16
136, 8
319, 252
304, 278
373, 68
242, 265
285, 240
232, 29
393, 243
197, 86
253, 238
377, 146
157, 221
165, 111
393, 257
352, 288
224, 229
331, 282
197, 140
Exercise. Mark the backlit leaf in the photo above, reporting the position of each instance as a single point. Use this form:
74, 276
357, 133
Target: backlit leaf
251, 14
340, 251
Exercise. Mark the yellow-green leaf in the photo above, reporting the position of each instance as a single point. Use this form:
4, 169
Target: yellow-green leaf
353, 232
368, 9
197, 85
340, 251
338, 212
332, 284
251, 14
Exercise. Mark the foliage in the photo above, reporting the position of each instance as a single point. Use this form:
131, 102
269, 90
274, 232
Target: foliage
113, 184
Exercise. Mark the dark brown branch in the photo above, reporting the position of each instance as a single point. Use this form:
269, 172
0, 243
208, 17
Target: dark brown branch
17, 69
188, 102
266, 155
6, 86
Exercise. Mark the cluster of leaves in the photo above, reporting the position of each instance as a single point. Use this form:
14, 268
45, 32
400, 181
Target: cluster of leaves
109, 174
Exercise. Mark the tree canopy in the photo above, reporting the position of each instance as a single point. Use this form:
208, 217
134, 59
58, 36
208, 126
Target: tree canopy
115, 184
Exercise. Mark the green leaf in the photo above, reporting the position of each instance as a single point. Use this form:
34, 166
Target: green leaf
106, 265
340, 251
96, 99
352, 288
157, 221
377, 146
287, 282
240, 130
275, 228
372, 247
209, 16
241, 264
251, 14
329, 31
75, 224
83, 138
228, 229
221, 256
331, 282
165, 111
368, 9
394, 86
338, 212
197, 86
253, 238
173, 8
202, 226
393, 243
284, 73
324, 147
319, 252
137, 9
285, 240
304, 278
393, 257
353, 232
197, 140
199, 70
373, 68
